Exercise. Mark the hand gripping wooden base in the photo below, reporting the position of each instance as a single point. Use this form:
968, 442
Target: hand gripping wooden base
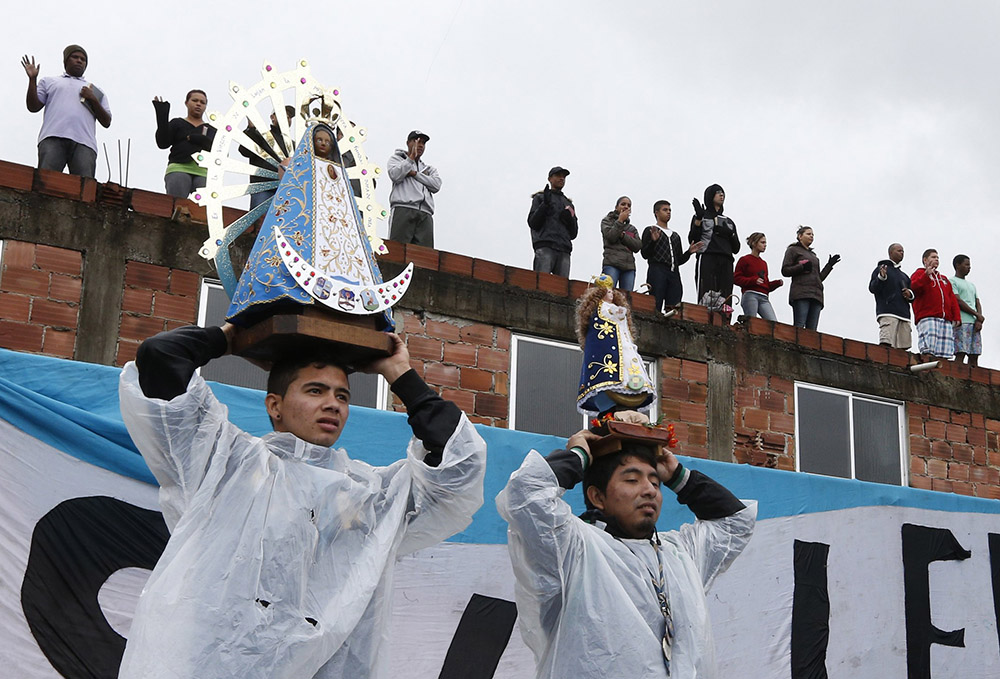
353, 340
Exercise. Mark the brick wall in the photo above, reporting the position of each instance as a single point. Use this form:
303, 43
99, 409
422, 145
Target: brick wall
39, 298
156, 298
458, 329
467, 363
954, 451
684, 402
764, 421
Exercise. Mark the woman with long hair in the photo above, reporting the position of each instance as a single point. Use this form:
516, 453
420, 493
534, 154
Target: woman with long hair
805, 293
621, 242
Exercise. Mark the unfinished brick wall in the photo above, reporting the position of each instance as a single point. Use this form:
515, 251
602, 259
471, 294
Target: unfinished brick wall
954, 452
764, 421
684, 403
156, 298
40, 290
467, 363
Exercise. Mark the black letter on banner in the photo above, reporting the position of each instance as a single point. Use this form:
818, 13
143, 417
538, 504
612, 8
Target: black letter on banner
480, 640
74, 549
921, 546
994, 542
810, 611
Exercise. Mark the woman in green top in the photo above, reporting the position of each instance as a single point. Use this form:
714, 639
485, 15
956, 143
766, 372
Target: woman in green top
184, 137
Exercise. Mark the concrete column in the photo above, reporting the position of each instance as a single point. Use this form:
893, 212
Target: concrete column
721, 409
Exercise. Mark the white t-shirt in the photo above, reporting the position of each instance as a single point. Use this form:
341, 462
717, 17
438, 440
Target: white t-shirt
66, 115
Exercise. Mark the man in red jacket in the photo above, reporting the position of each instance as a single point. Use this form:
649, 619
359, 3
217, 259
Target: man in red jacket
935, 309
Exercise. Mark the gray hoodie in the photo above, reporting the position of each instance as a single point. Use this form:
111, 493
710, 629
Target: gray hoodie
416, 192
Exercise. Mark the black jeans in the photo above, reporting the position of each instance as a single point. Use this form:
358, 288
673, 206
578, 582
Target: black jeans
665, 285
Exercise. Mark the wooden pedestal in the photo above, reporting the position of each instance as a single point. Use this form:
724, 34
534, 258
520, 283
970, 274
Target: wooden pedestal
354, 340
616, 434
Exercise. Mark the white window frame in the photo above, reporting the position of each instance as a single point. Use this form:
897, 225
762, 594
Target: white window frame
652, 368
382, 392
901, 427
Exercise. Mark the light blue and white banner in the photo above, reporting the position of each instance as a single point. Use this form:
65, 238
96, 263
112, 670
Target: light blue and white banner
861, 579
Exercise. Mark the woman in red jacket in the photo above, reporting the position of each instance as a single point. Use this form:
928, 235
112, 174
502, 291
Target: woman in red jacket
751, 276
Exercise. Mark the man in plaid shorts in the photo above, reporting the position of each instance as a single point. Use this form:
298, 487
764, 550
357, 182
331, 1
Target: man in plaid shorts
935, 309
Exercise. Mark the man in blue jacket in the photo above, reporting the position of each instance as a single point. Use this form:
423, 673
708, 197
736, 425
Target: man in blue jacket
891, 287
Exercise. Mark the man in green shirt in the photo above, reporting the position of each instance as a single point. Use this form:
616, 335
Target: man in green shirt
968, 341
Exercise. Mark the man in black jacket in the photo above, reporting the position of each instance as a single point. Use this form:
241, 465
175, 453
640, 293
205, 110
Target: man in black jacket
552, 219
891, 287
661, 247
717, 233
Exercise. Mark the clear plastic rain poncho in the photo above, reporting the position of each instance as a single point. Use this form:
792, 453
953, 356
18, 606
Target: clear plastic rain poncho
281, 552
586, 604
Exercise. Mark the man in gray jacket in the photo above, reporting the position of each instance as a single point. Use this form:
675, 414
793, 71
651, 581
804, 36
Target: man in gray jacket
414, 184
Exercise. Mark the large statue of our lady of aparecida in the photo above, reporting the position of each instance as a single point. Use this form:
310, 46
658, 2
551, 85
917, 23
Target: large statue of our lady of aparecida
313, 262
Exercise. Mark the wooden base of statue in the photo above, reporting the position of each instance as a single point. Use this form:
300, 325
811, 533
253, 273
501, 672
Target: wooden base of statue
354, 340
615, 435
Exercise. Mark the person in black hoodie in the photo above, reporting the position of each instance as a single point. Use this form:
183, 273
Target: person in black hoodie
552, 219
717, 233
891, 287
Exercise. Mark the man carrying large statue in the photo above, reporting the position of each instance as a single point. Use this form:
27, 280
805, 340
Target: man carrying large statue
282, 549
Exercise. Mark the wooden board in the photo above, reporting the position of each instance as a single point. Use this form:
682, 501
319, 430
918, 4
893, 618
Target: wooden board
616, 433
354, 341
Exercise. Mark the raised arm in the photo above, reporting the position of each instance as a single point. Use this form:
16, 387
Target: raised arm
164, 137
541, 206
398, 167
447, 458
544, 536
167, 361
724, 525
612, 230
174, 419
31, 69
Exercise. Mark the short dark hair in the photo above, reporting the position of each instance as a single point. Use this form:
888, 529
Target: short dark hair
658, 204
603, 468
958, 260
286, 370
188, 95
927, 253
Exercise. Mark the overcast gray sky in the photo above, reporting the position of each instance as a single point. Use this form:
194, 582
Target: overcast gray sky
872, 122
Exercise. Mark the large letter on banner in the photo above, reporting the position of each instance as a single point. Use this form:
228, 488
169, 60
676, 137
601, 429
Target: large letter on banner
921, 546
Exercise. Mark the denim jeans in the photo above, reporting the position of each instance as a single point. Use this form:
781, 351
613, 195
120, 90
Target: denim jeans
624, 280
548, 260
754, 304
55, 153
805, 313
182, 184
